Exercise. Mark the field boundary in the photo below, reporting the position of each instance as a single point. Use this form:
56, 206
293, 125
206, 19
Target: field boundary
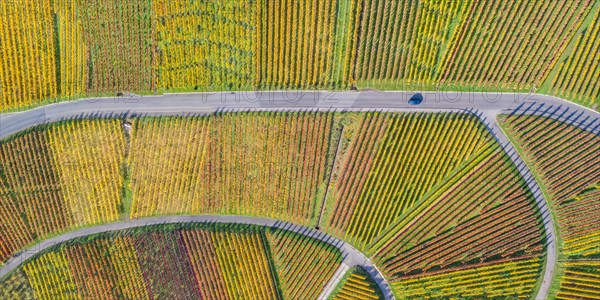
486, 106
351, 256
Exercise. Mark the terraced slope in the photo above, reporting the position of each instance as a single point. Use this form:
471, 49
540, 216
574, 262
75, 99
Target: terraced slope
566, 160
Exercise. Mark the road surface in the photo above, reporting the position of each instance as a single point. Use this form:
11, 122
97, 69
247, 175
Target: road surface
487, 106
201, 103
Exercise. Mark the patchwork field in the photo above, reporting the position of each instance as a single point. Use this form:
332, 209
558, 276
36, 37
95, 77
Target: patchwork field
439, 202
59, 50
565, 158
262, 164
276, 165
416, 152
209, 261
58, 177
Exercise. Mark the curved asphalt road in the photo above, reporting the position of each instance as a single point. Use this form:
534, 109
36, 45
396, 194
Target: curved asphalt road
486, 106
351, 256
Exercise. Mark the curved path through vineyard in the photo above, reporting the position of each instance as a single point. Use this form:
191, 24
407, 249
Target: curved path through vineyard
486, 106
351, 256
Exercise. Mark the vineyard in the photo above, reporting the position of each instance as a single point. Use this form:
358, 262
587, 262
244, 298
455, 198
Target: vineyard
306, 44
566, 160
357, 286
408, 42
97, 266
295, 256
580, 280
57, 178
209, 261
392, 161
428, 197
578, 72
91, 184
32, 203
119, 42
417, 204
54, 50
512, 44
469, 224
259, 164
72, 53
512, 279
16, 286
28, 60
205, 45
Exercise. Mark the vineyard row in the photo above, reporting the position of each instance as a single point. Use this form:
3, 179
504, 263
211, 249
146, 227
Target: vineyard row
61, 49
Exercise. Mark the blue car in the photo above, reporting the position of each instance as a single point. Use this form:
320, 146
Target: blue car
416, 99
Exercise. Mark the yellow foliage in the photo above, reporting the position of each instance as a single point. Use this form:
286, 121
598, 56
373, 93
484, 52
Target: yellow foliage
127, 269
507, 279
89, 154
245, 266
50, 277
205, 45
27, 54
580, 281
357, 287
